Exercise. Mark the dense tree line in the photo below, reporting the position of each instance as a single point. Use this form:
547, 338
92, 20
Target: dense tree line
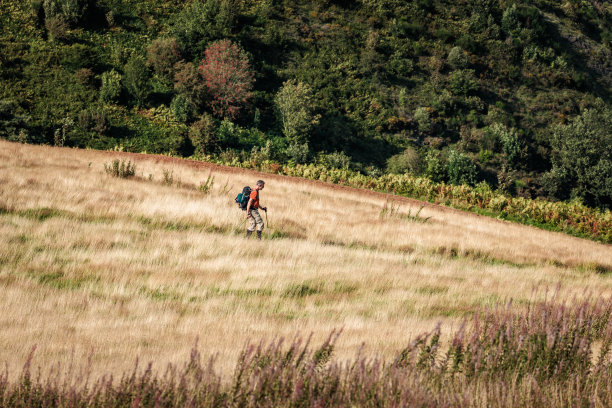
513, 93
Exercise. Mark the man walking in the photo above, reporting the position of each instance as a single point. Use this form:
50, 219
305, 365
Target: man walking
253, 211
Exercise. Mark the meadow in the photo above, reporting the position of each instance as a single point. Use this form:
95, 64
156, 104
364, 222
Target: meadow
105, 269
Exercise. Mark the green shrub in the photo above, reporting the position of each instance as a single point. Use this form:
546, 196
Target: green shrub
582, 159
460, 169
336, 160
13, 125
435, 167
110, 18
463, 82
77, 56
71, 11
457, 58
510, 142
136, 79
121, 169
111, 87
168, 177
298, 153
162, 55
203, 135
203, 21
423, 118
227, 133
182, 108
93, 120
400, 65
294, 105
510, 19
57, 28
408, 161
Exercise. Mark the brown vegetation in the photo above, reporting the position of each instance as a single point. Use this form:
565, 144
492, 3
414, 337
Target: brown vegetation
128, 267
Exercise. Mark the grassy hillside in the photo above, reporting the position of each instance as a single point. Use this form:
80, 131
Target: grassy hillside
145, 265
513, 93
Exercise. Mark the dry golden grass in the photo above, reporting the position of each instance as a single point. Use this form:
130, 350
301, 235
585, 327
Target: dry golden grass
121, 268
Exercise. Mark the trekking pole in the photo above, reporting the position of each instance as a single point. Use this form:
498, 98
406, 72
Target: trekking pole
267, 223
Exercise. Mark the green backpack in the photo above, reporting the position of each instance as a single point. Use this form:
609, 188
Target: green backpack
242, 199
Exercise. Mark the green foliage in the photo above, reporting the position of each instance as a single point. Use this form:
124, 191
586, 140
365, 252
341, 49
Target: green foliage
295, 109
111, 87
57, 28
229, 133
182, 108
13, 125
400, 64
203, 135
510, 19
510, 142
188, 83
298, 153
77, 56
94, 120
460, 169
582, 159
202, 21
463, 82
136, 79
120, 168
408, 161
382, 75
423, 118
435, 166
457, 58
162, 55
71, 11
335, 160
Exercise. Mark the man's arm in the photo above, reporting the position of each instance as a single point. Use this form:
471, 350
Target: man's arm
248, 210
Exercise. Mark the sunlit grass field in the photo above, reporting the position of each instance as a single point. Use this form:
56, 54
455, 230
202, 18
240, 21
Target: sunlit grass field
113, 269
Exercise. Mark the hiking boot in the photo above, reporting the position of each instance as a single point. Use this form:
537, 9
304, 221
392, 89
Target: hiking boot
248, 234
259, 235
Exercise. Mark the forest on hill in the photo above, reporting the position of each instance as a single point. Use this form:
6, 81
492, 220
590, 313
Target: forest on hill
513, 93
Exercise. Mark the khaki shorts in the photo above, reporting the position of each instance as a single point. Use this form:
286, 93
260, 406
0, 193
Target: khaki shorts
255, 221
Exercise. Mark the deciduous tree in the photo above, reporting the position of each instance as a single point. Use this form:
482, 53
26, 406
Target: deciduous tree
582, 159
294, 104
228, 78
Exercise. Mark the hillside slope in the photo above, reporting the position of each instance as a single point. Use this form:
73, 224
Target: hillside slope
461, 92
144, 266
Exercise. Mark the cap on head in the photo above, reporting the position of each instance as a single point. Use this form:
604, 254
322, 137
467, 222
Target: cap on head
260, 183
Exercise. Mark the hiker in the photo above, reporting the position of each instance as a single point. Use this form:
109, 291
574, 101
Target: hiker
252, 210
